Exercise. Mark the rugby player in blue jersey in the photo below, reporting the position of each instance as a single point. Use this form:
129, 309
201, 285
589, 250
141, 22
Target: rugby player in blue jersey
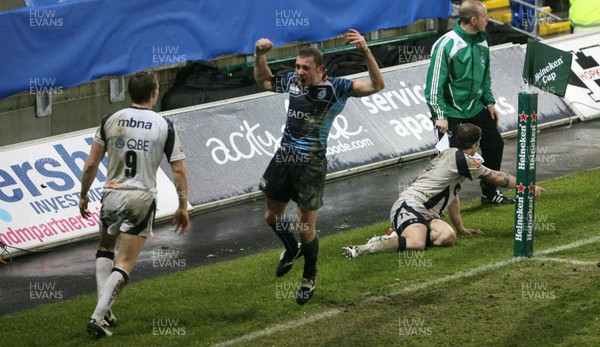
297, 170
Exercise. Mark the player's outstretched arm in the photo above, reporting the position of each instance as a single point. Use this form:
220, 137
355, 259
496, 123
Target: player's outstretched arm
502, 179
375, 82
262, 72
454, 214
181, 219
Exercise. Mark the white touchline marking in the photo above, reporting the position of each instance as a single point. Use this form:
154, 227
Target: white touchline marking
568, 261
569, 246
409, 289
280, 327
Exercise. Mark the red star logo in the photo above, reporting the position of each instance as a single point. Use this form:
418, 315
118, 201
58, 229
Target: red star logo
531, 188
521, 188
534, 116
523, 117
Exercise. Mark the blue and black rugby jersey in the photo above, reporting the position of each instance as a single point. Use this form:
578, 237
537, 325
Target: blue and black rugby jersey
311, 111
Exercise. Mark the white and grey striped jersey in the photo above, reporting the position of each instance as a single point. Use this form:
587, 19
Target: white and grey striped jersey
136, 140
441, 181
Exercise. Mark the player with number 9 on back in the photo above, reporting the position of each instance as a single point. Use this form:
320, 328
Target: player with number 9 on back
135, 139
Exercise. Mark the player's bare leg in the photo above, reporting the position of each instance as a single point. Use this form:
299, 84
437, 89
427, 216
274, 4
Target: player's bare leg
131, 246
382, 246
413, 237
442, 233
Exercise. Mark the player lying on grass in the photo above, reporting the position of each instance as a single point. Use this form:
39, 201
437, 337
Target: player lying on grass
416, 215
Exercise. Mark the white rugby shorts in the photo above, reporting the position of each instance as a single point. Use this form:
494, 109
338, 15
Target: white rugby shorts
128, 211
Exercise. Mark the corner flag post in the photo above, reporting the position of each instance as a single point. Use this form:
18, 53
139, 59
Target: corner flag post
526, 155
547, 68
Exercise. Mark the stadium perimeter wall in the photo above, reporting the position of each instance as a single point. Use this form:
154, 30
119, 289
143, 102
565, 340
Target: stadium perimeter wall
229, 143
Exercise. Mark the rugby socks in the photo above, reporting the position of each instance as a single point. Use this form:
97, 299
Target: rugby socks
284, 231
385, 245
311, 251
428, 241
113, 286
104, 265
401, 243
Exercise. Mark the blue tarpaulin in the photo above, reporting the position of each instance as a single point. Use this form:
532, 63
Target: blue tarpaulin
32, 3
72, 42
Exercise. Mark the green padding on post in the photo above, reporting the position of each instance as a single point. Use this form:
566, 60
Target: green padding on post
526, 154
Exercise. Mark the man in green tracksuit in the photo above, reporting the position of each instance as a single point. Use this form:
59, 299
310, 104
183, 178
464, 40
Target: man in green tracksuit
458, 88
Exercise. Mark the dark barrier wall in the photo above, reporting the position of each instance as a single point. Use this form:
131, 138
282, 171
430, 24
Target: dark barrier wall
63, 45
229, 145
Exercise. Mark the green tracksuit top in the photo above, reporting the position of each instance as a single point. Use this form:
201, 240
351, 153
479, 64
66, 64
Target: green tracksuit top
458, 80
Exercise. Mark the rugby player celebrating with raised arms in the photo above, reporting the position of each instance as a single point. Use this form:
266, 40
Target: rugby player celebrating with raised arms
297, 170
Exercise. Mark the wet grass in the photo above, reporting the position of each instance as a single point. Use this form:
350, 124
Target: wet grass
531, 302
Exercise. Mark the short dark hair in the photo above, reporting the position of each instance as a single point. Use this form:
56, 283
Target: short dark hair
469, 9
312, 52
141, 85
465, 136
